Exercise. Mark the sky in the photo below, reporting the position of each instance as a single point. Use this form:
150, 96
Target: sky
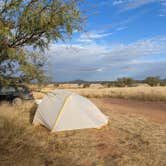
121, 38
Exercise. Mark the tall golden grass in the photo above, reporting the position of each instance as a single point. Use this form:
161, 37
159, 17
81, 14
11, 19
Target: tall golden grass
139, 93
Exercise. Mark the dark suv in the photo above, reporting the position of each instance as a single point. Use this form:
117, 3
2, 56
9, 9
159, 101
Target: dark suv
15, 93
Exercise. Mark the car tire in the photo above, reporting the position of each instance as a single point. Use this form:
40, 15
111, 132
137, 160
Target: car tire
17, 101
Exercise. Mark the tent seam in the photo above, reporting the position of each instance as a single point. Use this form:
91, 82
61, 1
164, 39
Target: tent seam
60, 113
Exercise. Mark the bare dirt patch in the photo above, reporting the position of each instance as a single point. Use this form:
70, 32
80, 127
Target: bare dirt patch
155, 111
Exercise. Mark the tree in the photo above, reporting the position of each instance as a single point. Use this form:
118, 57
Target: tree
152, 81
26, 29
86, 85
121, 82
163, 83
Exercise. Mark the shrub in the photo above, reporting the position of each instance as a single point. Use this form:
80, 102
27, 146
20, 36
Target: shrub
153, 81
122, 82
86, 85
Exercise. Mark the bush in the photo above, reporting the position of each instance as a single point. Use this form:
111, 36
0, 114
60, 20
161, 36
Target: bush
86, 85
153, 81
109, 84
163, 83
122, 82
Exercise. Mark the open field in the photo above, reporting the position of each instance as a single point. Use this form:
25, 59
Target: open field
139, 93
135, 136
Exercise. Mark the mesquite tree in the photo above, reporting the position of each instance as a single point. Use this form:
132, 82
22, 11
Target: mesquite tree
26, 29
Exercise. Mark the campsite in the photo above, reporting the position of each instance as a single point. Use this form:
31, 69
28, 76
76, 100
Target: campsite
82, 82
135, 135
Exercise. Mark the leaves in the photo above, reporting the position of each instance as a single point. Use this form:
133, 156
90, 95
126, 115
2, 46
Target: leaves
32, 23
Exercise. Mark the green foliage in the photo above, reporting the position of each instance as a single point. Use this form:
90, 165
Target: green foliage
153, 81
163, 83
109, 84
32, 23
122, 82
86, 85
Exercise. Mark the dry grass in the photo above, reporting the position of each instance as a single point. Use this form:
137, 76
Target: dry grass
129, 139
139, 93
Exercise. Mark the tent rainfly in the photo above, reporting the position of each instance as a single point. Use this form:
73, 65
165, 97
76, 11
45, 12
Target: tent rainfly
62, 110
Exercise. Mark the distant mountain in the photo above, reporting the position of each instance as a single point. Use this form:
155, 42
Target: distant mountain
71, 82
77, 81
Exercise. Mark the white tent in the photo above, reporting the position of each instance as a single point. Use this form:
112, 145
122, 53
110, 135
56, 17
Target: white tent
62, 110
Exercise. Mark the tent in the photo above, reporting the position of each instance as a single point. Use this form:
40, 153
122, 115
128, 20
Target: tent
61, 110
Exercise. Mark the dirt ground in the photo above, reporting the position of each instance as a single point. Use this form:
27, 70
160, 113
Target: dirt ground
135, 136
155, 111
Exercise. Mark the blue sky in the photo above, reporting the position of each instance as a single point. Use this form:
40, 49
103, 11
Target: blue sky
121, 38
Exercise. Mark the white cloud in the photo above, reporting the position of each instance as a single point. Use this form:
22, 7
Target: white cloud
121, 28
153, 46
83, 39
133, 4
104, 62
163, 9
90, 36
98, 35
137, 3
117, 2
